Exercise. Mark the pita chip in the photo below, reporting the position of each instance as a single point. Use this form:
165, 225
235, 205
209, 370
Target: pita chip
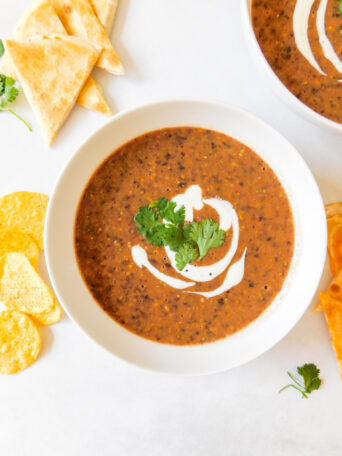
105, 11
39, 19
79, 19
52, 70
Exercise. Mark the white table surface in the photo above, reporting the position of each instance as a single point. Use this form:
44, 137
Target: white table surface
79, 400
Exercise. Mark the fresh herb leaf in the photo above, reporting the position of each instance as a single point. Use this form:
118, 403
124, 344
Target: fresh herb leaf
340, 6
2, 48
310, 374
8, 93
166, 210
186, 254
206, 234
163, 225
311, 380
146, 219
173, 237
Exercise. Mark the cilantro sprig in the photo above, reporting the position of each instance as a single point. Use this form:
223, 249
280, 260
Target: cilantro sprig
310, 382
163, 225
8, 92
2, 48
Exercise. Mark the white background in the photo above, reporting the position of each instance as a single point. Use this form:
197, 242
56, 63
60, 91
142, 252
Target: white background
77, 399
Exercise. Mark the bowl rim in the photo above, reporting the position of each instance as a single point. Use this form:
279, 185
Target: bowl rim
75, 156
278, 86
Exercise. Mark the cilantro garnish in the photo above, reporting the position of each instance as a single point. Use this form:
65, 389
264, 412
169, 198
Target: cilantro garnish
311, 380
8, 93
2, 48
162, 225
206, 235
166, 210
186, 254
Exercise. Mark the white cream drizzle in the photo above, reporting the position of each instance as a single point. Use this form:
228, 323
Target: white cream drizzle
301, 17
139, 256
327, 47
234, 276
192, 199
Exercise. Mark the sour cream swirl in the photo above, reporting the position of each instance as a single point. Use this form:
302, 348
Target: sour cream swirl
192, 199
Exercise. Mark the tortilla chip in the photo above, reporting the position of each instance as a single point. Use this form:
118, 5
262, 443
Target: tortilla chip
334, 290
333, 209
19, 342
21, 287
52, 71
335, 243
47, 318
105, 11
24, 212
13, 241
333, 312
39, 19
79, 19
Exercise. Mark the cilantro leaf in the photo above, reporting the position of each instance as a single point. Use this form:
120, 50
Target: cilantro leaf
310, 374
186, 254
173, 237
8, 93
156, 235
146, 219
166, 210
162, 225
2, 48
206, 234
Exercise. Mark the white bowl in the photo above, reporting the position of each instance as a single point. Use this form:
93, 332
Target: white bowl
277, 85
300, 284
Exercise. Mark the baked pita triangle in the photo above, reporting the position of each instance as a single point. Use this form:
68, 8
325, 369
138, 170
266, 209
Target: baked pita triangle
52, 70
79, 19
105, 11
39, 19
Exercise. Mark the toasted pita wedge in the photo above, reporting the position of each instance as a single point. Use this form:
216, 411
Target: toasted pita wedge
333, 313
39, 19
334, 290
105, 11
79, 19
52, 71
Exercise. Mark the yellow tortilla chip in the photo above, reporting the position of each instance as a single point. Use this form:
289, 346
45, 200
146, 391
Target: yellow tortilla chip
334, 290
39, 19
333, 209
105, 11
333, 312
79, 19
13, 241
52, 71
19, 342
48, 318
21, 287
24, 212
335, 243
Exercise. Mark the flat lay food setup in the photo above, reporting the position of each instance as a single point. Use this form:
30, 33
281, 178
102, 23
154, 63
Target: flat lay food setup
182, 236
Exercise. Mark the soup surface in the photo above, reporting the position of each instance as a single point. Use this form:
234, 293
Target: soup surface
302, 41
166, 163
